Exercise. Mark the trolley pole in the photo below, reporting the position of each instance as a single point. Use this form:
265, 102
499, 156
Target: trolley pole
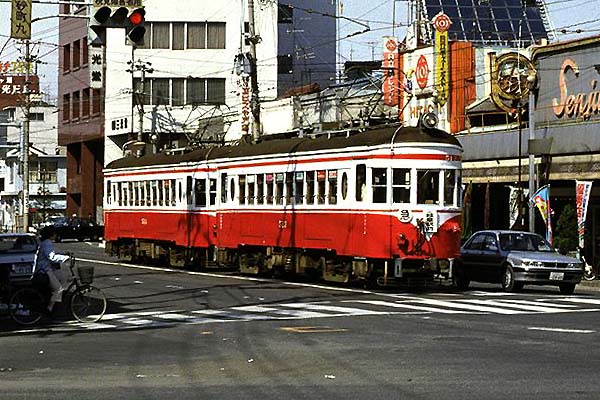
254, 99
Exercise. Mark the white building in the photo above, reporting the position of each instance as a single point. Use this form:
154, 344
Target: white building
47, 167
193, 93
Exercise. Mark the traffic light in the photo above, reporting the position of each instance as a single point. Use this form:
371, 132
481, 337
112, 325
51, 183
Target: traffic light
135, 28
116, 17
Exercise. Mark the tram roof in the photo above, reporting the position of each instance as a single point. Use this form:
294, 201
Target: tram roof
370, 137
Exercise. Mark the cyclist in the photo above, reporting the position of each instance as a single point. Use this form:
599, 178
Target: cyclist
47, 261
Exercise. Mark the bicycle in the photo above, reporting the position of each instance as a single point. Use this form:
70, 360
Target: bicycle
85, 302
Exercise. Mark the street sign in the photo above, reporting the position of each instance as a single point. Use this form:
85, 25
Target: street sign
20, 27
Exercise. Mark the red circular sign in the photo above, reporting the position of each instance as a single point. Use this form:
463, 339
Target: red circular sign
422, 72
391, 45
442, 22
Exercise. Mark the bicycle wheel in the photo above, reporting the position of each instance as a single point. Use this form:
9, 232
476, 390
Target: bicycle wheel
27, 306
88, 304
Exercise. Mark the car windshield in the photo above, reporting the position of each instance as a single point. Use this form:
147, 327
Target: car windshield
17, 244
523, 242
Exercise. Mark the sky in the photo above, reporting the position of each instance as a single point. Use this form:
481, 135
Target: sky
571, 19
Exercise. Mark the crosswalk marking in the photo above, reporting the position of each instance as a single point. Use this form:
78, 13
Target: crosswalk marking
408, 306
397, 305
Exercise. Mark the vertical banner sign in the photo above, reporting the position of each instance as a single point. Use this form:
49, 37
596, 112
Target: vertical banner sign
20, 21
245, 105
96, 66
391, 71
442, 23
582, 191
541, 199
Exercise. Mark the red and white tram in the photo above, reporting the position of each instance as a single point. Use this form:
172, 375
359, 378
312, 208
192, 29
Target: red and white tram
380, 205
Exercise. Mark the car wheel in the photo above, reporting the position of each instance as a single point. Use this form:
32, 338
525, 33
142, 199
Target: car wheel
460, 279
567, 288
508, 280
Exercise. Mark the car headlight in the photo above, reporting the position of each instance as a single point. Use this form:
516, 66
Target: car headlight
574, 265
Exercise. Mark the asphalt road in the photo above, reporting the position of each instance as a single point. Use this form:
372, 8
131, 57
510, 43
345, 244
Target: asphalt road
179, 335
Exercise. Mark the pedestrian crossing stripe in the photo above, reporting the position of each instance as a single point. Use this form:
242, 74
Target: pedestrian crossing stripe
345, 308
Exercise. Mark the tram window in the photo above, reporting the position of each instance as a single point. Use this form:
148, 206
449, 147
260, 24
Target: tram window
242, 189
428, 184
361, 182
148, 193
173, 188
251, 179
299, 187
279, 188
200, 192
379, 176
130, 193
136, 193
212, 190
120, 192
143, 193
332, 178
449, 181
260, 195
161, 193
344, 185
289, 187
401, 185
269, 188
223, 188
310, 187
320, 187
154, 193
188, 189
108, 192
232, 189
180, 191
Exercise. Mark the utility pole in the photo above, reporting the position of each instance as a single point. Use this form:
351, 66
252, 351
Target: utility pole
144, 68
26, 140
254, 99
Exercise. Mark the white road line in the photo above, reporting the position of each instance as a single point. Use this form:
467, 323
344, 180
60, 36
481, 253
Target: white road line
561, 330
232, 316
472, 307
515, 304
277, 311
537, 303
409, 306
579, 300
336, 309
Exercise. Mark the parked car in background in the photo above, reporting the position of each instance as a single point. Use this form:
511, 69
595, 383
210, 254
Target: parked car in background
77, 228
515, 259
17, 254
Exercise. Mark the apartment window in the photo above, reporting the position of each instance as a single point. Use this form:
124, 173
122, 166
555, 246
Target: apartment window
66, 107
177, 98
285, 64
215, 91
160, 35
85, 51
85, 103
195, 91
196, 35
178, 36
160, 91
42, 171
76, 54
285, 14
36, 116
96, 101
66, 58
137, 87
76, 105
216, 35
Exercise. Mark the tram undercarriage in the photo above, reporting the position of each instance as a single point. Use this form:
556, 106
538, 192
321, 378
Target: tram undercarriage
316, 264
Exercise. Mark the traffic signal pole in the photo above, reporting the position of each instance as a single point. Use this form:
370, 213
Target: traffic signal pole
254, 99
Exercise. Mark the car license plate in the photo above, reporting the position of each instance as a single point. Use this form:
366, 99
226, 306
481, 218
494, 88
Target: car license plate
557, 276
22, 269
